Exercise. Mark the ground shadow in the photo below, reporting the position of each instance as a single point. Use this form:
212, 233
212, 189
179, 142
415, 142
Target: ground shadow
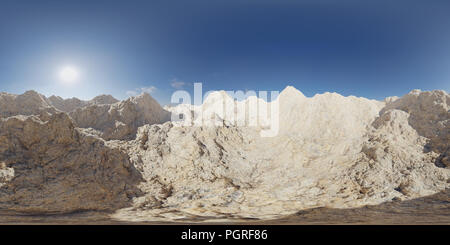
434, 209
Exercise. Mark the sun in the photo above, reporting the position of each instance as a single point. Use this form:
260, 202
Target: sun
68, 74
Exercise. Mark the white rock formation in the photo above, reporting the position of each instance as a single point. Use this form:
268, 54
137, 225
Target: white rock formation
430, 117
49, 166
330, 150
68, 105
33, 103
120, 120
29, 103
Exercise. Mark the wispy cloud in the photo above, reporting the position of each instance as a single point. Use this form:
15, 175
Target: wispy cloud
138, 91
178, 84
148, 89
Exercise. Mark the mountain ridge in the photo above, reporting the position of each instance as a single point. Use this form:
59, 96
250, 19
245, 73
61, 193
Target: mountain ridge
331, 151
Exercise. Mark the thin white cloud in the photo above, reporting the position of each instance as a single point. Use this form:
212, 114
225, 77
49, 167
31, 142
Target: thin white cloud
178, 84
138, 91
148, 89
131, 93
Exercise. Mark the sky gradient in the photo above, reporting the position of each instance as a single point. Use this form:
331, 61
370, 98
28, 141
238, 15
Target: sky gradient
372, 49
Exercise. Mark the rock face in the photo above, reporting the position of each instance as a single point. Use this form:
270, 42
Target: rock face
68, 105
29, 103
394, 159
430, 117
120, 121
49, 166
330, 151
103, 115
33, 103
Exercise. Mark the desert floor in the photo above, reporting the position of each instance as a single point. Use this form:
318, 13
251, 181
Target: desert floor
434, 209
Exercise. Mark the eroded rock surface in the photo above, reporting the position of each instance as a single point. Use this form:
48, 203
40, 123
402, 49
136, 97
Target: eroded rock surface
120, 120
330, 151
68, 105
47, 165
430, 117
29, 103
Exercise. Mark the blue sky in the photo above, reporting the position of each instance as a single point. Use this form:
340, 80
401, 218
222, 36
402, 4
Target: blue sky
372, 49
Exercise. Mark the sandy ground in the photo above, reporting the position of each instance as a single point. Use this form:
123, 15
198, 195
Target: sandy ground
433, 209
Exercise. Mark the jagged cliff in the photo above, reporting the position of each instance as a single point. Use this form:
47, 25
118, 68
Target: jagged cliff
330, 150
49, 166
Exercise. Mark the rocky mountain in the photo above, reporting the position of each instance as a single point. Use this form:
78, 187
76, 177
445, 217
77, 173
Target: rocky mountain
33, 103
29, 103
329, 151
68, 105
120, 120
103, 115
49, 166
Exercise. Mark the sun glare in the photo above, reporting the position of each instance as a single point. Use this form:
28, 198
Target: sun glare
68, 74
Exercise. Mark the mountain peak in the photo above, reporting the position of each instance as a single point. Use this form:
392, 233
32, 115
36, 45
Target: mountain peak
104, 99
291, 91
